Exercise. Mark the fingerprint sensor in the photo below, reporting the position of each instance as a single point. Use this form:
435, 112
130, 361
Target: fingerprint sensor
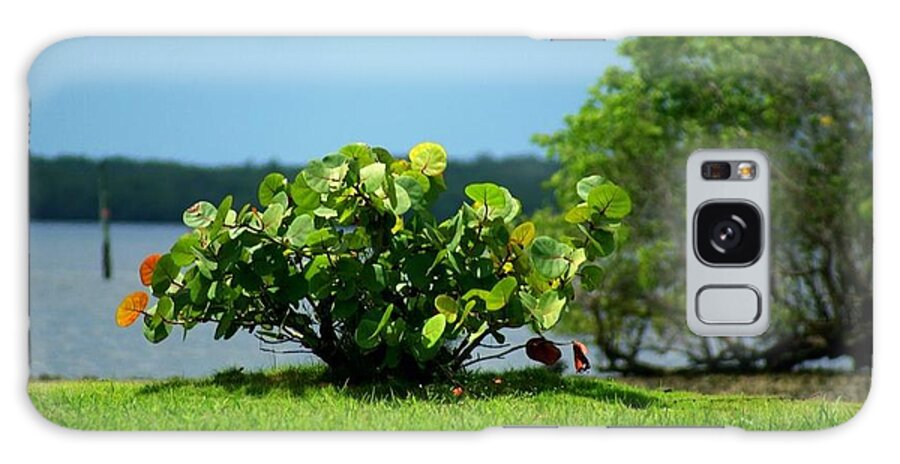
728, 304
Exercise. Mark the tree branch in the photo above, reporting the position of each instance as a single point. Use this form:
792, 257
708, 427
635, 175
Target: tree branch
493, 356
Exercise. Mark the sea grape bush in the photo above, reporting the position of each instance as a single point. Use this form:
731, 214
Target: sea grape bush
345, 261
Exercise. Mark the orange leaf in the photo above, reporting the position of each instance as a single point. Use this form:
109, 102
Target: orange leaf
542, 350
582, 363
147, 268
130, 308
457, 391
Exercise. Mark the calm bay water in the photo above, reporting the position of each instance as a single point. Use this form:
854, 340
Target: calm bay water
72, 311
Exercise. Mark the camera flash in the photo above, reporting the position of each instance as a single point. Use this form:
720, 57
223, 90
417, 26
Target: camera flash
746, 170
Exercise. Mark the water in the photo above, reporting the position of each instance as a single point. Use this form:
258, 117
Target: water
72, 312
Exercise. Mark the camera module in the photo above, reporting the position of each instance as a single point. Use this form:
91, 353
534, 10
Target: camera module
728, 233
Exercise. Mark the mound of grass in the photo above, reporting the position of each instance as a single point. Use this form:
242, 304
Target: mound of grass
301, 398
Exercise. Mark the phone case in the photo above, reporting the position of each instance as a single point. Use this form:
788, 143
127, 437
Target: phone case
439, 233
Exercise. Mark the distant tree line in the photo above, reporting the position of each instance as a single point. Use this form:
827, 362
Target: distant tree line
66, 187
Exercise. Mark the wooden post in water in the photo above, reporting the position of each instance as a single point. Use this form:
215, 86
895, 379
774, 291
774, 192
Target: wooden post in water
104, 220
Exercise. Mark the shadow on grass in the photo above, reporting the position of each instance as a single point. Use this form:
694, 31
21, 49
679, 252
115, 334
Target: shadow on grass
296, 381
537, 381
301, 381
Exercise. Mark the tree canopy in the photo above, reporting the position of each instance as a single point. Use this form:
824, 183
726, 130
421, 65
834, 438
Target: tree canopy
807, 103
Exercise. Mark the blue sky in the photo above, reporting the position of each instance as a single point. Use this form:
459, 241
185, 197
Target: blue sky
232, 100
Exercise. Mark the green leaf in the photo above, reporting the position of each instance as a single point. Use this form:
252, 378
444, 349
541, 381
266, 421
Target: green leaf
335, 161
390, 189
358, 151
164, 274
154, 329
385, 318
433, 329
372, 176
447, 306
601, 242
413, 190
579, 214
225, 329
369, 328
199, 215
366, 335
383, 155
299, 230
182, 251
549, 308
211, 292
158, 333
528, 301
373, 277
591, 277
477, 333
428, 158
585, 185
151, 318
280, 198
486, 194
318, 236
550, 257
610, 200
270, 185
476, 293
205, 265
467, 308
423, 181
403, 202
500, 293
576, 258
271, 219
393, 333
459, 227
165, 309
316, 273
305, 199
197, 287
327, 175
325, 212
399, 167
510, 209
523, 234
221, 214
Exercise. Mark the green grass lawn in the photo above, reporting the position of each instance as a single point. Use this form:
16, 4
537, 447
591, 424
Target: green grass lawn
299, 398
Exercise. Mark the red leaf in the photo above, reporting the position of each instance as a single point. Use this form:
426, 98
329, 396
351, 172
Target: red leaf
542, 350
457, 391
147, 268
582, 363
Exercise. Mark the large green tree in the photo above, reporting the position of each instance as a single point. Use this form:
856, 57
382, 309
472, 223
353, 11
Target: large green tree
804, 101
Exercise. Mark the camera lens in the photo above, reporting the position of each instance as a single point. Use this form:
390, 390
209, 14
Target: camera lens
728, 233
